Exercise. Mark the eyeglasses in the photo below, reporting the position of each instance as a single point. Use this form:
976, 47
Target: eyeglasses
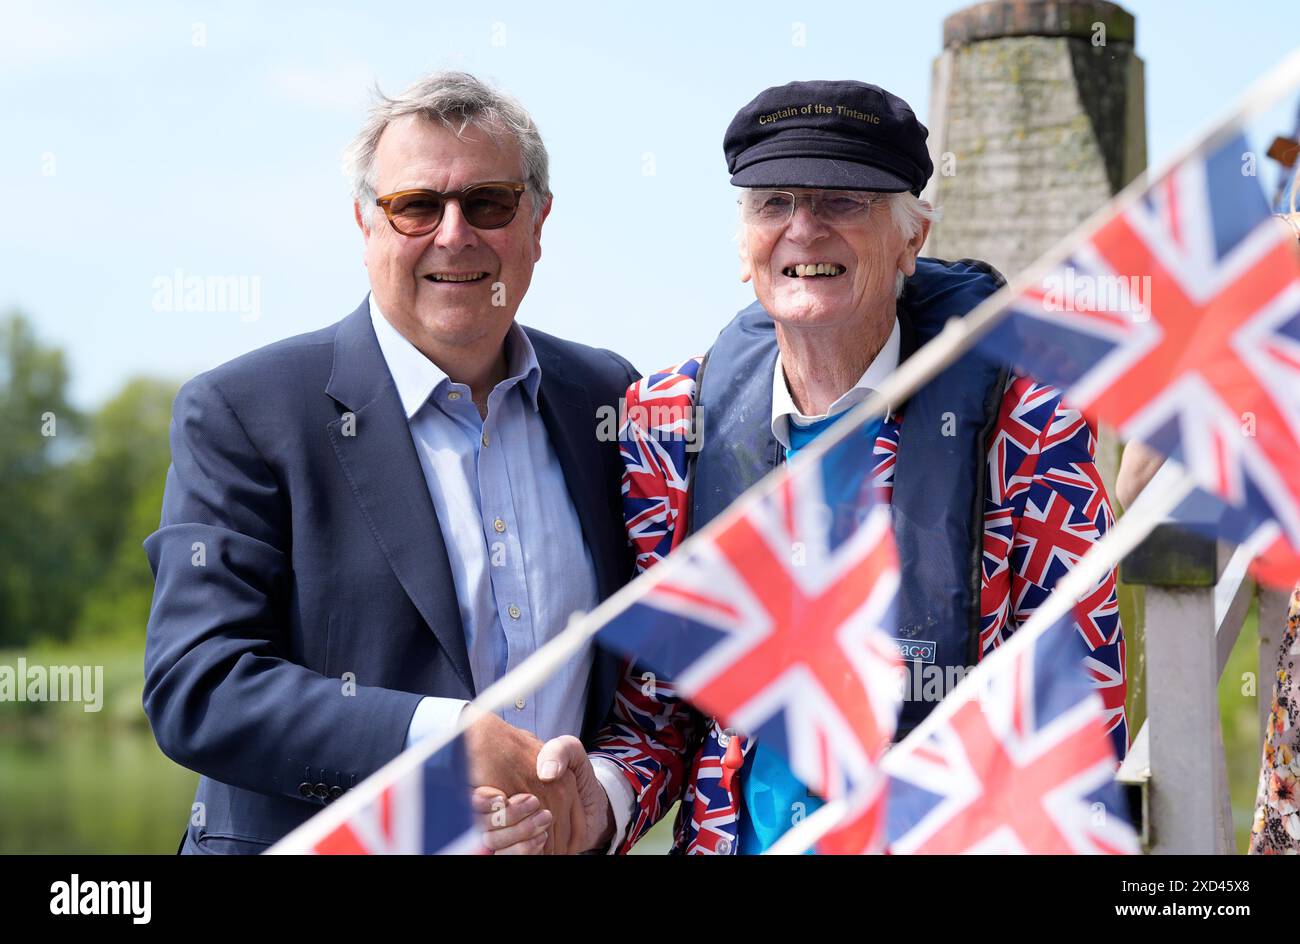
490, 205
776, 207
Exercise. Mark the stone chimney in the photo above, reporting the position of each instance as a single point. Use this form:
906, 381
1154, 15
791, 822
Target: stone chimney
1037, 118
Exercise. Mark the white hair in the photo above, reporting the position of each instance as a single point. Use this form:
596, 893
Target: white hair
455, 100
909, 212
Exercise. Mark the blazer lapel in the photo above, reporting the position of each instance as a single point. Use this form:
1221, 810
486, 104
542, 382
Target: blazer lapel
570, 419
378, 457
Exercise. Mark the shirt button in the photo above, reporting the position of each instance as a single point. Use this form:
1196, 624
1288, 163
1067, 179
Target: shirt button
454, 395
520, 702
485, 439
514, 611
499, 525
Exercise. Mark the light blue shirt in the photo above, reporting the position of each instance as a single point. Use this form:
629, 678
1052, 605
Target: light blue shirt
518, 559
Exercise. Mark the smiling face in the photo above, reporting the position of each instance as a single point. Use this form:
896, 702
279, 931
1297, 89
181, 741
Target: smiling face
810, 274
438, 289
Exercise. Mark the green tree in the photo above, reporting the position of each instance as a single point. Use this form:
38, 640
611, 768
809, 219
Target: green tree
38, 433
121, 479
81, 493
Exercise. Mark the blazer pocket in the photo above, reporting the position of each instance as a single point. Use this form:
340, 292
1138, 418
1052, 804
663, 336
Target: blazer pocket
225, 844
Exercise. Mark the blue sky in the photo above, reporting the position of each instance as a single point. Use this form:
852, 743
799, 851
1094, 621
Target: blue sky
141, 139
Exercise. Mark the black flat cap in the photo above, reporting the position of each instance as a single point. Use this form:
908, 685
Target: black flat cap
842, 135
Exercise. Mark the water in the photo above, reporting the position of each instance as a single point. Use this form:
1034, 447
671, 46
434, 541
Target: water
89, 789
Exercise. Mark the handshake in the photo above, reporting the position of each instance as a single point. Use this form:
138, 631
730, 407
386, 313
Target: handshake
534, 798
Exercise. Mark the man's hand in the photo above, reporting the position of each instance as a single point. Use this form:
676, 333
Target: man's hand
514, 824
504, 757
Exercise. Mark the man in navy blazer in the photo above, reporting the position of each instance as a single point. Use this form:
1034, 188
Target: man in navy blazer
366, 525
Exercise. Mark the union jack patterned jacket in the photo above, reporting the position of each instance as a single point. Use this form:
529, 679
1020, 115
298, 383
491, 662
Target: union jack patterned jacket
1046, 506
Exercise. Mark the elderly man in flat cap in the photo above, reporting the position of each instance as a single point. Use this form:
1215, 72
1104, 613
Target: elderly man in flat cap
991, 479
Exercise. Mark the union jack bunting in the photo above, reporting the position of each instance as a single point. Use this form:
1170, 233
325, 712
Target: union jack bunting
1040, 453
780, 626
425, 812
1015, 760
1277, 562
1178, 321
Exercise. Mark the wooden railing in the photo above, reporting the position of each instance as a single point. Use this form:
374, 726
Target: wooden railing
1198, 593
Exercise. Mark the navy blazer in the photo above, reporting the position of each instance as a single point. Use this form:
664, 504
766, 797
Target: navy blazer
294, 549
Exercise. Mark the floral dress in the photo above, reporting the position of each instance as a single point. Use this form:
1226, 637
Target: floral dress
1276, 829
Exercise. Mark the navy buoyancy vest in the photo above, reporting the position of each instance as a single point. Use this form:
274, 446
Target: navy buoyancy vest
941, 475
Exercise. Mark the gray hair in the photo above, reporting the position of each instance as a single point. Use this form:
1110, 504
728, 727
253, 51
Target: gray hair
455, 100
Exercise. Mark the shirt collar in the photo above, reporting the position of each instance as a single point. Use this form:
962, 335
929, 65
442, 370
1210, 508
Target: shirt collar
417, 377
784, 411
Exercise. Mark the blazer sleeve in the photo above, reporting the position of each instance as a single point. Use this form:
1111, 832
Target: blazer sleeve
221, 695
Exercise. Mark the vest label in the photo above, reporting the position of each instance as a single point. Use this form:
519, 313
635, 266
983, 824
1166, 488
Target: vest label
916, 650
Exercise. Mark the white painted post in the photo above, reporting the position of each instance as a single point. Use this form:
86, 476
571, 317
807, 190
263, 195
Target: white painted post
1181, 566
1183, 708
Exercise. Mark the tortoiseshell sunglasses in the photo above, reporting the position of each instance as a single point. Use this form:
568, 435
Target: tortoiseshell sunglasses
489, 205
